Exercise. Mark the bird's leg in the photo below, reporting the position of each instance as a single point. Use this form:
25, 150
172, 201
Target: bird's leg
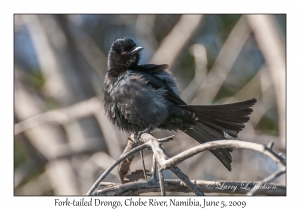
137, 137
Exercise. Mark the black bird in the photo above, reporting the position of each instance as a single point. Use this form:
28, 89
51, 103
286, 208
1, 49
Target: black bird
143, 97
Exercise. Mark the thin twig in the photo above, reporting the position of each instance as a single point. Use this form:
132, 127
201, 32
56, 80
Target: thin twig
169, 138
186, 180
123, 157
143, 163
270, 145
267, 180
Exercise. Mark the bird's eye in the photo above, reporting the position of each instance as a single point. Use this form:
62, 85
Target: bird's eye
123, 52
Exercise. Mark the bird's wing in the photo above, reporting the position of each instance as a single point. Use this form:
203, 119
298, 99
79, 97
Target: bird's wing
197, 130
150, 73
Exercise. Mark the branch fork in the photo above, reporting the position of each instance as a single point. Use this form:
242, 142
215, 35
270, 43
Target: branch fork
162, 162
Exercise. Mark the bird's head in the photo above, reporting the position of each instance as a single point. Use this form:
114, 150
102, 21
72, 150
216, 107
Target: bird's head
123, 54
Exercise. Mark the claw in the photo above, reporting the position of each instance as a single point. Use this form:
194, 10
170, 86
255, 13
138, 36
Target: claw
138, 135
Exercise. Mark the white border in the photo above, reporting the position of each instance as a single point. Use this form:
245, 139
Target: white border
8, 201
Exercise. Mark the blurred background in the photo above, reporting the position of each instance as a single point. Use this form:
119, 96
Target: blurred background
63, 140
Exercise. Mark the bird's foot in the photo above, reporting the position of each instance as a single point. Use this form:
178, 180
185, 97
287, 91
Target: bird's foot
138, 134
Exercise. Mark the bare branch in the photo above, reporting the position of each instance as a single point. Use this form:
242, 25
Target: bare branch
136, 175
22, 172
46, 139
200, 57
161, 158
186, 180
162, 183
124, 166
175, 185
272, 47
93, 106
165, 163
123, 157
224, 62
100, 160
168, 51
223, 144
143, 163
169, 138
37, 186
62, 116
267, 180
153, 169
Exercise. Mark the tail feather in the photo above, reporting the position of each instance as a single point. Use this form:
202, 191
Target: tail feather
230, 132
236, 116
226, 107
210, 122
203, 133
225, 124
222, 154
228, 117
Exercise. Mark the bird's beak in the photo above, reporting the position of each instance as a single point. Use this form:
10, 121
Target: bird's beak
135, 51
